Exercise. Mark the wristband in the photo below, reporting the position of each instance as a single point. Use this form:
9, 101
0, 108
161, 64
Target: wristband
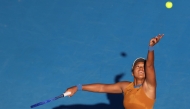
79, 87
150, 48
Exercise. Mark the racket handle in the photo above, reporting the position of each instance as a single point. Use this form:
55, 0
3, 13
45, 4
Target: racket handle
66, 94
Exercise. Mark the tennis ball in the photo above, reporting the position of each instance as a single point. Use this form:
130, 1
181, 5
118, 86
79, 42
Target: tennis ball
169, 4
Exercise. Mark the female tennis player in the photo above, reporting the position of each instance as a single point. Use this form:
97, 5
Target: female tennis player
139, 94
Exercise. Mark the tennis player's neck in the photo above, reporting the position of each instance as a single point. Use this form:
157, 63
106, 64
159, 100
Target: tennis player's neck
138, 82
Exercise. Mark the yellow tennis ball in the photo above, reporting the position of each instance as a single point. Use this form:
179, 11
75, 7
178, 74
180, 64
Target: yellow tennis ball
169, 4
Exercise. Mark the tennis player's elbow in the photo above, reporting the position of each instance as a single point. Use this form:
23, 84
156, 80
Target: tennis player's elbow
104, 88
100, 89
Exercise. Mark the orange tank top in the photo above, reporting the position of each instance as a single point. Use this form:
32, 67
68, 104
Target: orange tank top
135, 98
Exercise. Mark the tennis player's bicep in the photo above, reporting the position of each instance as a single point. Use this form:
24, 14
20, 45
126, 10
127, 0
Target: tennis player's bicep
111, 88
115, 88
151, 76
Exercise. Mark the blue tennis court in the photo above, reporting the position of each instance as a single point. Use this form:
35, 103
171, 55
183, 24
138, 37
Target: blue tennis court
47, 46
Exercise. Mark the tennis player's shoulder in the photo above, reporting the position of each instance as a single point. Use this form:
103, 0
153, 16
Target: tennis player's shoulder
124, 84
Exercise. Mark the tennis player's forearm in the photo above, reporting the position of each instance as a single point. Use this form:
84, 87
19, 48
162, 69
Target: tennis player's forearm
150, 59
94, 88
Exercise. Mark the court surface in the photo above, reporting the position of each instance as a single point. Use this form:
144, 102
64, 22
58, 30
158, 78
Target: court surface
47, 46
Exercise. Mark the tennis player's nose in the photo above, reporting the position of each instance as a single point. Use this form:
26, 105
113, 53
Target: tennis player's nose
141, 68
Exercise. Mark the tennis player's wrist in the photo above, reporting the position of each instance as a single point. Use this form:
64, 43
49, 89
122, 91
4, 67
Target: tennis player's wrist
150, 48
79, 87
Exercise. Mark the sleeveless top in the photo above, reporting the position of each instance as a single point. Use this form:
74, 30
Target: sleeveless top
135, 98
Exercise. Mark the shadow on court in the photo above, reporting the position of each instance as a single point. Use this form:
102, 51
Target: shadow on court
116, 101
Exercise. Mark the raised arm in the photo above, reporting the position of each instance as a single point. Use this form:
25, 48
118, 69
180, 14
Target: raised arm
100, 88
149, 67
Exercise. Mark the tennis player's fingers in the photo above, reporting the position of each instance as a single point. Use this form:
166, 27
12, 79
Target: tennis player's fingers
152, 41
156, 39
72, 91
159, 36
67, 93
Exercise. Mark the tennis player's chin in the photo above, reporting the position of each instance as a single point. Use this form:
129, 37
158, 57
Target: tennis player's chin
141, 76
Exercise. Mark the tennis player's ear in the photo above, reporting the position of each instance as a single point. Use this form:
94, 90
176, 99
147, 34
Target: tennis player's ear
132, 72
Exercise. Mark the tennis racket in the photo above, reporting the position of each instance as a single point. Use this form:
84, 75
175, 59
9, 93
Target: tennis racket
49, 100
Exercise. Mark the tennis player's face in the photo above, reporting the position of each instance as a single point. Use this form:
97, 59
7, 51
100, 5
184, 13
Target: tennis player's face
138, 70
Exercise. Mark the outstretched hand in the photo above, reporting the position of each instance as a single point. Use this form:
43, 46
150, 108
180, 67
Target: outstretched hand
155, 40
72, 90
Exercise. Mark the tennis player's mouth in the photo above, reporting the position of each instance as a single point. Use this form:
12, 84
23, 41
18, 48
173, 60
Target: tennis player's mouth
141, 72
